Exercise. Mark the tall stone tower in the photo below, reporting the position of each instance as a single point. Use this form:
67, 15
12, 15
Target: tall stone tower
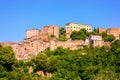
32, 33
50, 30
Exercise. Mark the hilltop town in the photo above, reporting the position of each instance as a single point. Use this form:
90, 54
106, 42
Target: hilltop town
48, 37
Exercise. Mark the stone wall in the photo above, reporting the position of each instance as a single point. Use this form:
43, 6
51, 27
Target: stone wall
100, 30
44, 34
37, 41
111, 31
32, 32
27, 48
47, 31
114, 31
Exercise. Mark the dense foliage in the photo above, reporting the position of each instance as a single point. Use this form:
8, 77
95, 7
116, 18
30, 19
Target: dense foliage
107, 38
82, 34
79, 35
62, 34
93, 63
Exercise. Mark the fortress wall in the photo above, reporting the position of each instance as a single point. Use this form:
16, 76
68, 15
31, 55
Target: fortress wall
26, 48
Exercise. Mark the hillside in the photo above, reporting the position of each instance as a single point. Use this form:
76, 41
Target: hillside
94, 63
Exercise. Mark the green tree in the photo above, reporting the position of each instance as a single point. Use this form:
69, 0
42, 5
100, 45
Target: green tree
7, 57
79, 35
41, 61
62, 34
107, 38
62, 31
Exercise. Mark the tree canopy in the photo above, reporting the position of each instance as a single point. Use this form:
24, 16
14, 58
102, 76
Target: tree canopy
97, 63
79, 35
107, 38
62, 34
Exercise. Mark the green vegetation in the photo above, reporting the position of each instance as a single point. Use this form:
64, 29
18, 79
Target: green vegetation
107, 38
62, 34
83, 34
96, 64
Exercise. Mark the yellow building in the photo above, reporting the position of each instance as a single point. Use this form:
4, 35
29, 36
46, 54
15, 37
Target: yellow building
76, 27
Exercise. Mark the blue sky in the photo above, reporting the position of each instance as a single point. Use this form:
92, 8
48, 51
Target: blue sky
16, 16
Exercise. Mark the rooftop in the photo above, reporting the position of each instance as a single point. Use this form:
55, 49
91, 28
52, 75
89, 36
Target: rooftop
76, 23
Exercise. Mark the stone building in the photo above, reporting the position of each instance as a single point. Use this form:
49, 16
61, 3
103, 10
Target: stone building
32, 33
111, 31
38, 40
100, 30
43, 34
48, 31
76, 27
26, 48
114, 31
96, 40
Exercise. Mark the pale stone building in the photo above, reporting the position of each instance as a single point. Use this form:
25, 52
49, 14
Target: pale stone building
76, 27
96, 40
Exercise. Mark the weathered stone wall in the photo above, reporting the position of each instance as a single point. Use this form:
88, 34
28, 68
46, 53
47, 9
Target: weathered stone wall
111, 31
27, 48
32, 32
100, 30
47, 31
114, 31
30, 47
37, 41
68, 31
43, 34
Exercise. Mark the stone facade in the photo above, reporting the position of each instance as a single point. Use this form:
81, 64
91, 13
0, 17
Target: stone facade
96, 40
32, 33
48, 31
111, 31
38, 40
76, 27
100, 30
27, 48
114, 31
44, 34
